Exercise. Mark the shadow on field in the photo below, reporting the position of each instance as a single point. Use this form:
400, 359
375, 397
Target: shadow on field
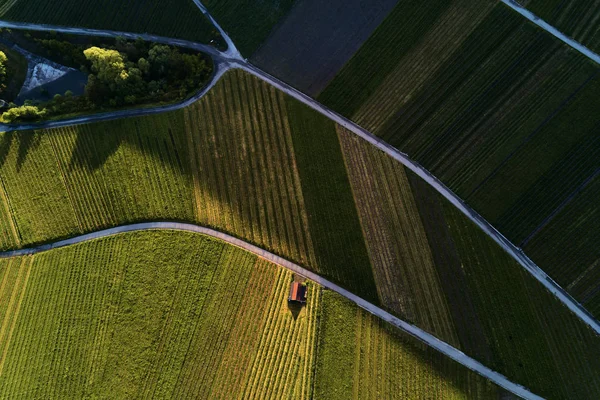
295, 309
26, 141
164, 142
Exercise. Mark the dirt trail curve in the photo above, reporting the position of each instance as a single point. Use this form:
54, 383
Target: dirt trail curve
412, 330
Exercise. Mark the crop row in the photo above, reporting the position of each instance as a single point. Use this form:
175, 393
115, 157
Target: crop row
245, 175
483, 99
153, 314
244, 159
575, 18
35, 188
360, 357
180, 18
529, 332
405, 273
569, 244
340, 248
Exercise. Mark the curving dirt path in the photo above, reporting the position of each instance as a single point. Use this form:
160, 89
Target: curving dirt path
412, 330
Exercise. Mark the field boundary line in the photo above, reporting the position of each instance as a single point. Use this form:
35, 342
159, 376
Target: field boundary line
28, 261
8, 208
408, 328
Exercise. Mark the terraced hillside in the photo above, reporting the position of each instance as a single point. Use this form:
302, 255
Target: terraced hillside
251, 162
484, 100
178, 19
575, 18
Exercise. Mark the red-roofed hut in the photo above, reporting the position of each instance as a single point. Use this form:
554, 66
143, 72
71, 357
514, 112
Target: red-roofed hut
297, 293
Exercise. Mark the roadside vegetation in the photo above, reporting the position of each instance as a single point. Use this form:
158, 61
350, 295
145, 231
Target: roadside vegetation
121, 73
177, 19
153, 314
359, 356
482, 98
248, 22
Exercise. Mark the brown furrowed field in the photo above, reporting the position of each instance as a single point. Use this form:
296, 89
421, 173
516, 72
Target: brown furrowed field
153, 315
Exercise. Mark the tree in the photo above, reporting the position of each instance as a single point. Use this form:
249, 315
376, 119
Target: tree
23, 113
3, 60
108, 65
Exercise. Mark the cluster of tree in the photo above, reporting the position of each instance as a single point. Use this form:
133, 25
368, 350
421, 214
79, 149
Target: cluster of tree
23, 113
3, 74
121, 73
162, 73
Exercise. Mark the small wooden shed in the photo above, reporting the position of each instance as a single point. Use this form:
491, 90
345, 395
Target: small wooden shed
297, 293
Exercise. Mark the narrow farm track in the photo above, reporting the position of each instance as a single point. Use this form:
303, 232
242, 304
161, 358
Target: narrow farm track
412, 330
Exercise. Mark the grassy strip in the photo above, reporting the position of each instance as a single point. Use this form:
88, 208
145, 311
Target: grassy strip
248, 22
334, 225
181, 18
156, 314
361, 357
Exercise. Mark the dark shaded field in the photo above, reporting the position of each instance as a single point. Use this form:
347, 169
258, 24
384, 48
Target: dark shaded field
502, 112
248, 22
579, 19
175, 18
317, 38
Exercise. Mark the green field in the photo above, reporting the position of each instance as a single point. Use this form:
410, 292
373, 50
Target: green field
164, 314
361, 357
248, 22
234, 170
249, 161
577, 19
178, 19
433, 266
484, 100
152, 314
